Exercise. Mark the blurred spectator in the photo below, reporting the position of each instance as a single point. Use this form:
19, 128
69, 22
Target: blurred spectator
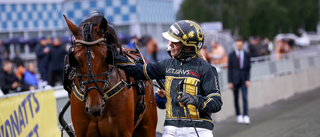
265, 47
30, 76
282, 49
17, 60
132, 42
10, 82
254, 47
2, 50
218, 54
292, 44
239, 77
20, 71
42, 52
56, 62
151, 47
269, 44
49, 41
5, 56
19, 64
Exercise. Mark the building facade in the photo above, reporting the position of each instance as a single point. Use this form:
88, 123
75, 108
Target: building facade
33, 19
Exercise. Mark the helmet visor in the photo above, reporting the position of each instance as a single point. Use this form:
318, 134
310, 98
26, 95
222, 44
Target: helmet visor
167, 36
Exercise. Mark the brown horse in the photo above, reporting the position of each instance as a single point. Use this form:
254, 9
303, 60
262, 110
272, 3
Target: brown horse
102, 102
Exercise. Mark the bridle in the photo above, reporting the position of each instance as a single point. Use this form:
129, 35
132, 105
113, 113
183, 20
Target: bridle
88, 42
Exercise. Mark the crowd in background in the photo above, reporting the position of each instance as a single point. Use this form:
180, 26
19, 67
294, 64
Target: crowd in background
49, 64
18, 75
257, 48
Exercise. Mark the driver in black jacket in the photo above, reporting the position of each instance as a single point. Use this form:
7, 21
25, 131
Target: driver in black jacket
200, 86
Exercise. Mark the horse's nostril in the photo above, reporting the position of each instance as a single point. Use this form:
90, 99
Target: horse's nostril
87, 109
102, 106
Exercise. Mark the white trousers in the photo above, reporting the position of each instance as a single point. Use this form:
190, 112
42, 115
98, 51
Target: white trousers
172, 131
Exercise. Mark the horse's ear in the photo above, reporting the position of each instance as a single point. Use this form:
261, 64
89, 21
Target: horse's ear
102, 26
74, 29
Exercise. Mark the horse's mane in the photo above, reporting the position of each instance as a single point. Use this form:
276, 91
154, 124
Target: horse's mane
95, 17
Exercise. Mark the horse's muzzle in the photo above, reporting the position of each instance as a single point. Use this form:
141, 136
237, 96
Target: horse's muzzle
95, 111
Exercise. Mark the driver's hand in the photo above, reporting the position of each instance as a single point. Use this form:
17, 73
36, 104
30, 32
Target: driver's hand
161, 92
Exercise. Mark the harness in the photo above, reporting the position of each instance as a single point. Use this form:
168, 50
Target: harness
82, 91
106, 92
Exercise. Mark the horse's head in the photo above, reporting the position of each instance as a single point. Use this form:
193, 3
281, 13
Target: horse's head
89, 55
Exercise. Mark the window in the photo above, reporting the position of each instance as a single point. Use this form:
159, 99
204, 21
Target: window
17, 34
33, 34
29, 15
24, 7
70, 14
39, 15
54, 6
15, 24
35, 24
123, 29
34, 7
13, 7
60, 33
93, 4
78, 21
4, 36
44, 6
124, 2
19, 15
77, 5
132, 9
55, 23
109, 3
85, 13
117, 10
9, 16
45, 23
110, 18
2, 7
47, 33
4, 25
25, 24
50, 15
125, 18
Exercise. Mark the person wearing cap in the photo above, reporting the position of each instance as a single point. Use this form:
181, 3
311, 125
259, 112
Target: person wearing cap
196, 77
42, 52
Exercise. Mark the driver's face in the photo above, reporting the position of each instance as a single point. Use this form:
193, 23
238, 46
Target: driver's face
175, 48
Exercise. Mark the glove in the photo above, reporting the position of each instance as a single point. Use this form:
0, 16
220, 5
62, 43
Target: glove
187, 99
115, 57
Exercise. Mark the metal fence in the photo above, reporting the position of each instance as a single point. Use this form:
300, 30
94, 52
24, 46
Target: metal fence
267, 66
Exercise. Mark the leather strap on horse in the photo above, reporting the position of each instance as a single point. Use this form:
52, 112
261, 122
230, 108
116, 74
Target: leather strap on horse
110, 93
114, 90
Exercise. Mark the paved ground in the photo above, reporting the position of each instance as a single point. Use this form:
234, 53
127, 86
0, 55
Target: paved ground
298, 116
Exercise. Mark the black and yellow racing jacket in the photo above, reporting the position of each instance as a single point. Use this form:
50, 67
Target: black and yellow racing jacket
200, 79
